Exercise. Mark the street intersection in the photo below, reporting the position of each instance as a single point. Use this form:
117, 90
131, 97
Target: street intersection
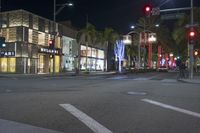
131, 103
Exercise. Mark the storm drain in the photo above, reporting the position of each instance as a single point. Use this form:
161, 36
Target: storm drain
136, 93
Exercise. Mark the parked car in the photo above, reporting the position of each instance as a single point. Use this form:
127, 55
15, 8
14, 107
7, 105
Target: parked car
163, 69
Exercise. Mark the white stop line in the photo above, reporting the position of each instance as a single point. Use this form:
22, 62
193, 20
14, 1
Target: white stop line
172, 108
88, 121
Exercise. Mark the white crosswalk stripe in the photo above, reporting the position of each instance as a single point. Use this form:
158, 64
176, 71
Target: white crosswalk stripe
87, 120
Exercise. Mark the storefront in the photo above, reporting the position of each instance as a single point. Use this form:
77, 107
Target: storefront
92, 58
45, 60
70, 51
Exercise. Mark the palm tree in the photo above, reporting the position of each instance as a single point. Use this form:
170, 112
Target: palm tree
108, 38
86, 36
162, 32
132, 51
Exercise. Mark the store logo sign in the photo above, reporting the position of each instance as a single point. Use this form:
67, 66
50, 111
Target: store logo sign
7, 53
50, 51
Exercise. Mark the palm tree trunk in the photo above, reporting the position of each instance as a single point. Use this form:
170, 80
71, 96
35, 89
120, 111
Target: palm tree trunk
86, 56
79, 59
129, 61
105, 56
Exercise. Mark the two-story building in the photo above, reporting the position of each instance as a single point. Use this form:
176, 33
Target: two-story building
27, 48
27, 36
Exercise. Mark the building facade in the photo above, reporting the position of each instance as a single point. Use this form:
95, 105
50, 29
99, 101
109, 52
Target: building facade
27, 37
27, 48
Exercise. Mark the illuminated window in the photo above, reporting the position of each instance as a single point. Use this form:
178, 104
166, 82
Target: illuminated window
94, 53
15, 19
57, 64
11, 65
100, 65
25, 19
35, 23
58, 42
12, 34
41, 38
4, 65
83, 63
30, 36
8, 65
100, 54
83, 50
89, 54
41, 63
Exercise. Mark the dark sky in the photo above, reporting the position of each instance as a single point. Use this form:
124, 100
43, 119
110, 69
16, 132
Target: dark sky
118, 14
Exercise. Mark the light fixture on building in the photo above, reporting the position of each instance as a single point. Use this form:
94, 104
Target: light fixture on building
127, 40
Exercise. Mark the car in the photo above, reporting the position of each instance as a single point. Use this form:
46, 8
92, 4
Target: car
163, 69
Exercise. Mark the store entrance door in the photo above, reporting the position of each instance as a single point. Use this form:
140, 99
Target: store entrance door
51, 65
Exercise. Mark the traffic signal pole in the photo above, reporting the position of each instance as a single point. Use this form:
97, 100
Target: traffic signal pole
191, 44
54, 33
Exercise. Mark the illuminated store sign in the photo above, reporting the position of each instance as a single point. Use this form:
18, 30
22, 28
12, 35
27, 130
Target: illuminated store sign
49, 51
7, 53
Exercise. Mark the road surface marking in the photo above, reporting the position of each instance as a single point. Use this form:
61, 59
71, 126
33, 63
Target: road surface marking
169, 80
88, 121
172, 108
118, 77
7, 126
141, 79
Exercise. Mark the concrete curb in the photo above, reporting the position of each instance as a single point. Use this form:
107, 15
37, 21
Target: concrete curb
194, 81
8, 76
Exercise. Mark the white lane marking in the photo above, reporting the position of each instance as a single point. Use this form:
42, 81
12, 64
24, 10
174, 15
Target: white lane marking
119, 77
141, 79
172, 108
169, 80
88, 121
7, 126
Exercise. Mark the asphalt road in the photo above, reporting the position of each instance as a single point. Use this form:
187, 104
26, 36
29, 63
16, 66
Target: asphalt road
142, 103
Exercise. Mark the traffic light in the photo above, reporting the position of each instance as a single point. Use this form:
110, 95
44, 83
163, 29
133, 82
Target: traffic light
2, 42
192, 35
51, 43
147, 10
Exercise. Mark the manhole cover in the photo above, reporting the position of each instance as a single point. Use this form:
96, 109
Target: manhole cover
136, 93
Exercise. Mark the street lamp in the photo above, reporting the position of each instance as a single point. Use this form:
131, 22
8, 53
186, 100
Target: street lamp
54, 25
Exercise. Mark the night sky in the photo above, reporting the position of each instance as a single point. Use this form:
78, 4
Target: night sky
118, 14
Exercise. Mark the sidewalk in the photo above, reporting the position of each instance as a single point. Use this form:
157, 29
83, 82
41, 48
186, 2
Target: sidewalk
64, 74
195, 80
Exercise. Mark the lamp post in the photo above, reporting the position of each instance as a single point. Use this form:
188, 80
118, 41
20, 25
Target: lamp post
54, 25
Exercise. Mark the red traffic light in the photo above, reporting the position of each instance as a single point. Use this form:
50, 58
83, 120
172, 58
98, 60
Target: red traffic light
51, 43
192, 34
147, 10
